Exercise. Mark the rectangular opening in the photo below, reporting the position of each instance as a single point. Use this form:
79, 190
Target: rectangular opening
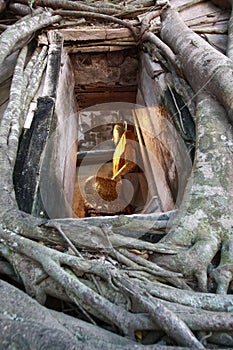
105, 84
108, 78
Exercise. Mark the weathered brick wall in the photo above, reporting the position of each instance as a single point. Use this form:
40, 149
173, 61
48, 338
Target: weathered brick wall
105, 77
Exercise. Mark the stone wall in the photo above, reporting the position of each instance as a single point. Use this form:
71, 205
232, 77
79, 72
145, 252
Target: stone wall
105, 77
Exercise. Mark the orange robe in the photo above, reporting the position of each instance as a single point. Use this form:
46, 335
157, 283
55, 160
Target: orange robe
125, 155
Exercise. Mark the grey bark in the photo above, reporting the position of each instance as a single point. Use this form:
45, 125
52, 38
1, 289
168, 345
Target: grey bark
24, 28
20, 9
209, 192
11, 126
53, 66
32, 326
205, 68
70, 5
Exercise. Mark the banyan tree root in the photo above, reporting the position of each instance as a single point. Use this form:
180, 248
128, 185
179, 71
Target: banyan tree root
41, 326
98, 16
108, 8
212, 197
24, 28
169, 322
71, 5
203, 66
52, 269
20, 9
209, 194
68, 275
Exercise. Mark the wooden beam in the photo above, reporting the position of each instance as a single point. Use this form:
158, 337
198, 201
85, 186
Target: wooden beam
97, 48
85, 100
93, 157
94, 33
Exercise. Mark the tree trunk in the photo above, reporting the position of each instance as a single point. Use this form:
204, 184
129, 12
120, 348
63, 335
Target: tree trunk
205, 220
203, 66
22, 29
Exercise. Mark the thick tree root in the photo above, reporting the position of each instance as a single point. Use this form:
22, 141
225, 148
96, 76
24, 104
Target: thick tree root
212, 196
24, 28
169, 322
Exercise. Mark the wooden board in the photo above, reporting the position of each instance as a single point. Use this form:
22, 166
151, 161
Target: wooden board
199, 10
97, 48
85, 100
88, 33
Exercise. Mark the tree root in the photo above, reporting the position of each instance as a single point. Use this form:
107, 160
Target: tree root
147, 266
23, 28
94, 237
41, 326
69, 272
100, 16
205, 301
71, 5
201, 243
169, 322
164, 51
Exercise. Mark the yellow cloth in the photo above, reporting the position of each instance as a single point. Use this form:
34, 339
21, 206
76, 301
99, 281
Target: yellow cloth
118, 157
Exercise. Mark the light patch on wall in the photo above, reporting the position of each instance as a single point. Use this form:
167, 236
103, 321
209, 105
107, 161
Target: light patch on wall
30, 115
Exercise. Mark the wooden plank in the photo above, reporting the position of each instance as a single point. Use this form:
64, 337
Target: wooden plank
114, 33
30, 156
218, 28
153, 68
110, 42
88, 33
85, 100
83, 34
96, 48
202, 20
103, 88
219, 41
177, 3
200, 10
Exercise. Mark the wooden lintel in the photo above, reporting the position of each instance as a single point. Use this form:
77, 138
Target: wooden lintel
94, 33
88, 99
96, 48
104, 88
